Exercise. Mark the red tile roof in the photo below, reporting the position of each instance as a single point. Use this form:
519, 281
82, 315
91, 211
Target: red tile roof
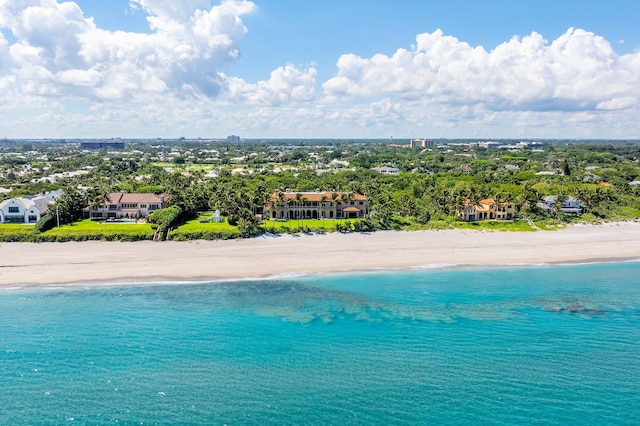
486, 203
316, 196
126, 198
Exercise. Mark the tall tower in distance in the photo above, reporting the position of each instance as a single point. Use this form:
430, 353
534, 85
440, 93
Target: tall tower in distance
422, 143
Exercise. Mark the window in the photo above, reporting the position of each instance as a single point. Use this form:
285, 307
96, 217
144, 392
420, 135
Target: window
143, 206
361, 203
153, 207
14, 210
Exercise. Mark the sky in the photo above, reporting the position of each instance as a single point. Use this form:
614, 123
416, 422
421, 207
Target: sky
270, 69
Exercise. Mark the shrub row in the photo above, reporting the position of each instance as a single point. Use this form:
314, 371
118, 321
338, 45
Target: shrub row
179, 235
44, 238
46, 222
166, 219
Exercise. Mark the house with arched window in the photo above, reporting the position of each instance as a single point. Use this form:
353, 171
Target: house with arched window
122, 205
315, 205
489, 208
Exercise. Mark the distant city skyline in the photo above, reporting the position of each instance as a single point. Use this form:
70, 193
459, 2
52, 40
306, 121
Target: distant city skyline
366, 69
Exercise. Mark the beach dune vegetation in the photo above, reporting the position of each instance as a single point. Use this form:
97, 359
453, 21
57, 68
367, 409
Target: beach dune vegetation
202, 228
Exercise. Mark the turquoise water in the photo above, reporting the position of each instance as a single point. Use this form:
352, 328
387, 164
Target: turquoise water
533, 345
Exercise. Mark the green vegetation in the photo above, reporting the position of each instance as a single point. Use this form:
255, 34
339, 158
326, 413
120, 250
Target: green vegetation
428, 193
202, 229
10, 232
166, 219
90, 230
78, 231
305, 225
495, 225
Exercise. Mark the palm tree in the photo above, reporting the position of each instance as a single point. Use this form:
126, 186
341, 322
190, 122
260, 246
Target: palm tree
299, 203
280, 201
290, 201
304, 200
98, 198
323, 200
584, 196
528, 198
345, 197
560, 199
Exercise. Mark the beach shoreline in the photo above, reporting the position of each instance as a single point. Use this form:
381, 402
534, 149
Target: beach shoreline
95, 263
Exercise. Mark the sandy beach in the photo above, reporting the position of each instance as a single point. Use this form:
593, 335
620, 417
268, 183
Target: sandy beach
46, 264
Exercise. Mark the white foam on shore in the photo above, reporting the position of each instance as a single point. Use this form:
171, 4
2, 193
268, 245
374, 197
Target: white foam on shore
291, 275
284, 275
432, 266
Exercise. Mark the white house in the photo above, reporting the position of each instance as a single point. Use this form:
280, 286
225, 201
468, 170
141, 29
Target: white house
24, 210
569, 205
387, 170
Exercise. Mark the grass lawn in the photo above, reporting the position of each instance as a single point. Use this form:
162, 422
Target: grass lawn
495, 225
88, 229
196, 225
195, 229
10, 231
312, 224
482, 225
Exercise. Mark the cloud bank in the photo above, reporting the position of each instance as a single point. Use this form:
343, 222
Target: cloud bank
61, 73
60, 52
577, 72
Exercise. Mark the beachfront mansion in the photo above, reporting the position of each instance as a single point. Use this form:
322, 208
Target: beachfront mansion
315, 205
489, 208
122, 205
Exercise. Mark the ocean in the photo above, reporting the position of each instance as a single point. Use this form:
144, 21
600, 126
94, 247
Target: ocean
550, 345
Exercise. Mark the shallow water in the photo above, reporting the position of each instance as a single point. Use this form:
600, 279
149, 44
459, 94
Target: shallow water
548, 345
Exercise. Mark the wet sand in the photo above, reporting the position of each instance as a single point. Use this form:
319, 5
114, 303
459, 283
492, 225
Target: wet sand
48, 264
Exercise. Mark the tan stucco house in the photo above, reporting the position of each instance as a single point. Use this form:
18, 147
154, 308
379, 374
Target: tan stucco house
315, 205
121, 205
485, 209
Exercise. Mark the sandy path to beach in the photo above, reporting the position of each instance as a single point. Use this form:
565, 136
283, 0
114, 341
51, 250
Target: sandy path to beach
29, 264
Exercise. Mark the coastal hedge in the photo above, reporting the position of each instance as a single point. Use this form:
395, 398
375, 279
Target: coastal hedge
10, 233
17, 238
44, 238
46, 222
166, 219
186, 235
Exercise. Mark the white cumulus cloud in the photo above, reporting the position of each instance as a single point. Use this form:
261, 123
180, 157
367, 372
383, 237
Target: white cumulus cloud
4, 51
286, 84
61, 75
577, 71
59, 51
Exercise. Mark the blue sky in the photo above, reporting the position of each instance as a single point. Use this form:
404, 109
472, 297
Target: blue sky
332, 68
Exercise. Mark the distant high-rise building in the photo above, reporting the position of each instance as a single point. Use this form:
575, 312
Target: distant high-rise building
233, 138
102, 144
422, 143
